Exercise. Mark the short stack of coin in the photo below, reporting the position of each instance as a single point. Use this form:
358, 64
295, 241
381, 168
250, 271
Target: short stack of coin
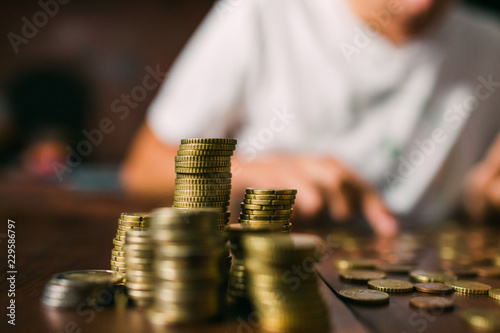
237, 289
203, 167
126, 222
139, 259
282, 305
264, 206
77, 288
187, 266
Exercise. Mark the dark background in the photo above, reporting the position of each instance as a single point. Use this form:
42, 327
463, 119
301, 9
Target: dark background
91, 52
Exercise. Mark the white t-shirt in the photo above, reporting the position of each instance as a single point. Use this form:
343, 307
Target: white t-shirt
309, 76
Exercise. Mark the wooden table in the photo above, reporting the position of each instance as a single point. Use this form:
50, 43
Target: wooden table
58, 231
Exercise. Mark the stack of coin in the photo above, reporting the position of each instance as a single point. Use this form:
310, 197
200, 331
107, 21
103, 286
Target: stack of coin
284, 301
237, 289
139, 259
77, 288
203, 168
187, 266
126, 222
264, 206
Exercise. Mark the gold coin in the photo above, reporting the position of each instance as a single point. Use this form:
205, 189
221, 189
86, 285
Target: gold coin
183, 204
494, 293
263, 217
203, 187
264, 191
208, 158
282, 222
226, 141
186, 170
470, 287
390, 285
135, 216
203, 164
200, 199
366, 296
424, 276
186, 181
206, 146
208, 152
433, 288
359, 275
265, 207
485, 319
86, 278
206, 193
268, 202
270, 196
213, 176
432, 303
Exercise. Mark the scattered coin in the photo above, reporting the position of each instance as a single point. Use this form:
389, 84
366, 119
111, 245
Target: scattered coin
432, 303
470, 287
494, 293
433, 288
391, 286
365, 296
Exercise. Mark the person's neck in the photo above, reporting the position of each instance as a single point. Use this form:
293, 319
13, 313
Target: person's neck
397, 30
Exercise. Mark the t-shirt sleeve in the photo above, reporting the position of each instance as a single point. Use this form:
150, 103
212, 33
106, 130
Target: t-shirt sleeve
207, 80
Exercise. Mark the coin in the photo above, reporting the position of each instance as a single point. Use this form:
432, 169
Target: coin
366, 296
470, 287
210, 141
198, 152
187, 198
84, 278
270, 196
144, 216
206, 146
432, 303
433, 288
358, 275
424, 276
264, 191
494, 293
201, 204
212, 176
197, 181
390, 285
484, 319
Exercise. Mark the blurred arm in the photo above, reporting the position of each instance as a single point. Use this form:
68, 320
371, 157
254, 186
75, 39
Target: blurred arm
482, 188
149, 169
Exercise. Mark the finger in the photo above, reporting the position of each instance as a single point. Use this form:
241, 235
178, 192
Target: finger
379, 217
343, 200
309, 200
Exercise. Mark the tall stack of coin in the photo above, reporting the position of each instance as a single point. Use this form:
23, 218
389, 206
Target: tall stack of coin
188, 253
139, 260
237, 289
126, 222
77, 288
284, 301
203, 168
264, 206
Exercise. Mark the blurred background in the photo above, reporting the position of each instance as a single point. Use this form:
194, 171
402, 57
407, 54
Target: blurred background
67, 65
